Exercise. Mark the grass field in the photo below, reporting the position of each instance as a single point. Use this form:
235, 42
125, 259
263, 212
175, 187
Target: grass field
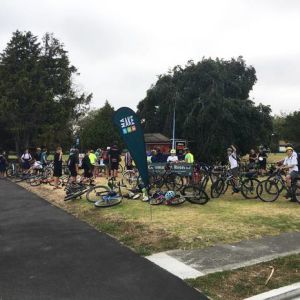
148, 229
245, 282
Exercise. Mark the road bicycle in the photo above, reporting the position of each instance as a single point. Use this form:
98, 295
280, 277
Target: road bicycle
103, 196
270, 189
159, 197
131, 179
172, 180
246, 184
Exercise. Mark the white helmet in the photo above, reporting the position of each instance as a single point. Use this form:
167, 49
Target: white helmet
173, 151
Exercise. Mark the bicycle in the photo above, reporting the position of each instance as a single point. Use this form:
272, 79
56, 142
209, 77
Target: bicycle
172, 180
131, 179
77, 189
270, 189
160, 197
247, 187
106, 196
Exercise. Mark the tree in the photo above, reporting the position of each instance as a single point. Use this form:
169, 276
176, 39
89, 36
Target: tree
212, 104
38, 100
97, 128
287, 127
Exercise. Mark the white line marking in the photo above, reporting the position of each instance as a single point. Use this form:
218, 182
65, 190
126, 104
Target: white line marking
174, 266
279, 292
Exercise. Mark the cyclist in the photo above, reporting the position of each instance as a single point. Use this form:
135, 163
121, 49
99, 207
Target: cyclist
291, 165
173, 158
3, 163
87, 165
73, 163
114, 159
57, 172
252, 159
93, 160
262, 160
25, 159
44, 157
188, 157
233, 163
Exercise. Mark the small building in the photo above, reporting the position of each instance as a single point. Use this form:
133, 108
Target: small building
157, 140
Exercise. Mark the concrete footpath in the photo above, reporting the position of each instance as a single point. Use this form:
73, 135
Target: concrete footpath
46, 253
199, 262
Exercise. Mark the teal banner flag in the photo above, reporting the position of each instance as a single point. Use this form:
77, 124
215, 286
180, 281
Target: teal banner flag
131, 130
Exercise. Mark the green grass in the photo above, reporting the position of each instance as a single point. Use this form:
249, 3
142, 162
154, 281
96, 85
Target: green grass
245, 282
152, 229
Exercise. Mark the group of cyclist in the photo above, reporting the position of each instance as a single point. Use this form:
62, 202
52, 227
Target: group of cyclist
107, 161
290, 164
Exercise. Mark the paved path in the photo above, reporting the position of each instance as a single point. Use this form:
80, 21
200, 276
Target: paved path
46, 253
200, 262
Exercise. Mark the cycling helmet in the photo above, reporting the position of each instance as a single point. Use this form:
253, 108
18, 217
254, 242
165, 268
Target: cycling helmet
229, 149
173, 151
170, 195
289, 148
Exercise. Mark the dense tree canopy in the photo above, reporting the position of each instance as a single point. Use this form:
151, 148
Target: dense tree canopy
97, 128
286, 127
38, 101
212, 104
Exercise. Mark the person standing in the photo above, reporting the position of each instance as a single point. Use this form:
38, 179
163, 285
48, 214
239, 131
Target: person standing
73, 163
262, 160
3, 164
128, 160
188, 157
114, 159
93, 160
290, 164
173, 158
44, 157
233, 164
252, 159
57, 172
86, 165
26, 158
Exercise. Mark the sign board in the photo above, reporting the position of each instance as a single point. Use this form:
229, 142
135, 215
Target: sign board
183, 169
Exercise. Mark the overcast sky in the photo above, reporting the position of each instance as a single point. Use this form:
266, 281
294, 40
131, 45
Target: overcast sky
121, 46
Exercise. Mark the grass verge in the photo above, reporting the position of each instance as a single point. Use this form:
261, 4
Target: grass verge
159, 228
249, 281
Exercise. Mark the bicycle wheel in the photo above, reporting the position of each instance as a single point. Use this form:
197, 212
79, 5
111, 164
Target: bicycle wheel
195, 195
174, 182
130, 179
48, 172
296, 190
51, 181
74, 195
217, 188
248, 188
95, 193
108, 202
156, 181
156, 201
176, 200
267, 191
10, 172
35, 181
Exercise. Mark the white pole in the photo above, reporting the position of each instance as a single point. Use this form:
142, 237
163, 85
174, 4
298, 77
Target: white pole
174, 121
